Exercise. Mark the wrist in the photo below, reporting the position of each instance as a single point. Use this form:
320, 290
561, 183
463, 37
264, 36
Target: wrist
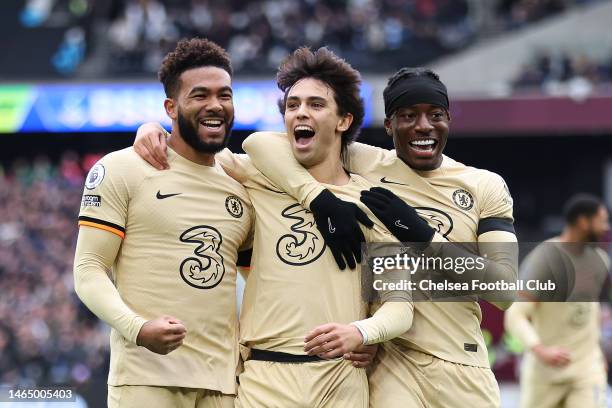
139, 339
361, 331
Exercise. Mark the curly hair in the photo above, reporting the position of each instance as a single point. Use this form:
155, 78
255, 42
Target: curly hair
189, 54
329, 68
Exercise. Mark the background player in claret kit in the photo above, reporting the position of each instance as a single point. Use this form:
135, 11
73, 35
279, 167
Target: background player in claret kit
295, 289
442, 360
564, 365
171, 239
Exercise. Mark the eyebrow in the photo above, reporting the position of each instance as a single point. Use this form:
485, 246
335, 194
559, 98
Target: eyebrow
310, 98
410, 109
207, 90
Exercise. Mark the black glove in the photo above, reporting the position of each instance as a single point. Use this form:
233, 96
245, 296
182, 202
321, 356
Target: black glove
400, 218
337, 221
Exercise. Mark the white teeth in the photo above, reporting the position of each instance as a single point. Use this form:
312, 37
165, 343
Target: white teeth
212, 122
424, 142
304, 127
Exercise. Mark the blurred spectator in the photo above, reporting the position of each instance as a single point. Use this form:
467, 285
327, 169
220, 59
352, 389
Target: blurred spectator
258, 34
563, 74
520, 12
130, 37
46, 335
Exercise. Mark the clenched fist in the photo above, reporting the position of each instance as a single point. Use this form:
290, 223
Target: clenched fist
162, 335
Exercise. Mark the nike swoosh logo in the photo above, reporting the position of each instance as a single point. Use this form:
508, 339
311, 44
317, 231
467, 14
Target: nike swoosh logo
274, 191
161, 196
384, 180
398, 223
331, 228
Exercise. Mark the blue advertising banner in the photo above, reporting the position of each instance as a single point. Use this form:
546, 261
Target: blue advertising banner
122, 107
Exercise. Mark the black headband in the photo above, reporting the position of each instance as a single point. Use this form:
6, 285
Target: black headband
414, 90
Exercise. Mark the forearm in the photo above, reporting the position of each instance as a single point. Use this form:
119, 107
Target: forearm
501, 250
517, 323
392, 319
493, 259
271, 154
95, 254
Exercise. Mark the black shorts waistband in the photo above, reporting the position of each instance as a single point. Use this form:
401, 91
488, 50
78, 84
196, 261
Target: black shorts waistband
279, 357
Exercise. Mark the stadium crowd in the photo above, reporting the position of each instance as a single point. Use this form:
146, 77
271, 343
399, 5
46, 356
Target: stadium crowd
46, 335
261, 33
517, 13
130, 37
549, 69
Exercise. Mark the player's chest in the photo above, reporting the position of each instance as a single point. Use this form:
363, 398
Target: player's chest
286, 231
167, 208
571, 315
450, 207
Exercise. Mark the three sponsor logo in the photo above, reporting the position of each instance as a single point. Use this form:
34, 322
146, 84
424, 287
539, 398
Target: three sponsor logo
206, 269
303, 244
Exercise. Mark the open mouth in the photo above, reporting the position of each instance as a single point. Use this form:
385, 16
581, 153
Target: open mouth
423, 146
212, 123
303, 135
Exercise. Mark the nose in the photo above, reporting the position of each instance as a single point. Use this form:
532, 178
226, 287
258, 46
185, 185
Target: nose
302, 111
423, 124
214, 105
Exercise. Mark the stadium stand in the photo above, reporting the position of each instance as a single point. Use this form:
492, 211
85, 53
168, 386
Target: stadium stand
547, 69
112, 37
46, 335
490, 66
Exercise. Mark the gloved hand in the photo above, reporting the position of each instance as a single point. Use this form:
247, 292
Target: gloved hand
338, 222
400, 218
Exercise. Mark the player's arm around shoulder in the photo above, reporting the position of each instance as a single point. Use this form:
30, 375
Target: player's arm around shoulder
272, 155
237, 166
364, 159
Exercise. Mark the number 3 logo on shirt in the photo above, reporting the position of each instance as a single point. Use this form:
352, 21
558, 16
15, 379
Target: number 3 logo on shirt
207, 270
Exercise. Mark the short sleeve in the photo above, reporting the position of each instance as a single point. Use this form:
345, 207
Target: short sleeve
104, 204
495, 205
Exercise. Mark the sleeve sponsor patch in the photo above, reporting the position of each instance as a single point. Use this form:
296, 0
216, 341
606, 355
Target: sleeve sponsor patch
90, 200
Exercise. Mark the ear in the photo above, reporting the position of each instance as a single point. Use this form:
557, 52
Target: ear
171, 108
345, 123
448, 115
387, 124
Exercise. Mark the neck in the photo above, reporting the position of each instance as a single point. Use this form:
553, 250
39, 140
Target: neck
571, 235
177, 143
330, 171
